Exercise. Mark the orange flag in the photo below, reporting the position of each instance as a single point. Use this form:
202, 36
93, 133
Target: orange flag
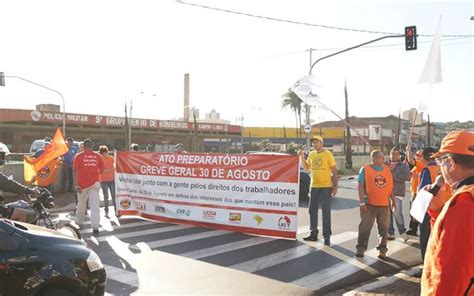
57, 148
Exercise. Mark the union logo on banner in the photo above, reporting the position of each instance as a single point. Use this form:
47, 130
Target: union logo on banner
284, 222
125, 203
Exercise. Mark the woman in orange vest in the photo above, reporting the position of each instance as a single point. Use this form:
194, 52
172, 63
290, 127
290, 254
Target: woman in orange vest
449, 261
428, 176
416, 165
107, 179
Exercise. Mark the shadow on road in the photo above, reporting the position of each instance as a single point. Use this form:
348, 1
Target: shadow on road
341, 203
338, 203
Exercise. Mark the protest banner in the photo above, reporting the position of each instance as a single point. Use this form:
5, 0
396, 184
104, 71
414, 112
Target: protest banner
255, 194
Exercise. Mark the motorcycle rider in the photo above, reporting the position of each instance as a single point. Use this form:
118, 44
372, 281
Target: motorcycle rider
10, 185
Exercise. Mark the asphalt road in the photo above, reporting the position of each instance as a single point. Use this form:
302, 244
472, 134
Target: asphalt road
148, 257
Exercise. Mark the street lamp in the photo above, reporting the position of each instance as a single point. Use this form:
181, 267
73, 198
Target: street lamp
48, 88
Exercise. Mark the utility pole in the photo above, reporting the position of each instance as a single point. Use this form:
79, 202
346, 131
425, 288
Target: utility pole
397, 139
428, 133
348, 131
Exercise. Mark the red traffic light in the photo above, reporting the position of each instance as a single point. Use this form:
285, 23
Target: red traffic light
410, 38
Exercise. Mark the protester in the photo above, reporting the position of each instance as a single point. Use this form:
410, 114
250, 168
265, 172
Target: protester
375, 189
88, 166
134, 147
179, 148
68, 179
428, 175
416, 165
39, 152
401, 174
107, 179
322, 164
449, 261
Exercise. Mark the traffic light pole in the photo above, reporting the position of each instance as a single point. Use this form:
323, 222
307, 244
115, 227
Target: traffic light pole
50, 89
308, 135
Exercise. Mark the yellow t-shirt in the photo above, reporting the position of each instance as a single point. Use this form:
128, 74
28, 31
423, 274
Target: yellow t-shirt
320, 164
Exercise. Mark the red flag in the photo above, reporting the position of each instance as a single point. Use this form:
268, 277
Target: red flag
57, 148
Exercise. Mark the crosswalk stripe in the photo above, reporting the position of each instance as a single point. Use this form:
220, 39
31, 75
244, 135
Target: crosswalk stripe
121, 275
325, 277
117, 227
211, 251
182, 239
145, 232
289, 254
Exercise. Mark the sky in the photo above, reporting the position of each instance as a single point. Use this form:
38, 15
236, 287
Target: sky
99, 54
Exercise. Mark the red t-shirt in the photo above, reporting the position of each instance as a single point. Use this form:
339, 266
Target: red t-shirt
88, 166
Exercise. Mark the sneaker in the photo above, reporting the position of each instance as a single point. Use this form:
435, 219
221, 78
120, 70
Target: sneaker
327, 241
311, 238
360, 254
382, 255
412, 232
95, 231
405, 237
391, 237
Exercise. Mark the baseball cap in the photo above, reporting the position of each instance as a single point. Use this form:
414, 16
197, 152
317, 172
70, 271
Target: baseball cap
457, 142
318, 138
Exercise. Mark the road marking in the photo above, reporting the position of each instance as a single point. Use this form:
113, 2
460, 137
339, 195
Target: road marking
144, 232
263, 262
228, 247
181, 239
350, 265
122, 275
385, 281
117, 227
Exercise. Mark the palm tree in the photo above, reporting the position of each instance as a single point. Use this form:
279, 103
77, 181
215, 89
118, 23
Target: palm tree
294, 102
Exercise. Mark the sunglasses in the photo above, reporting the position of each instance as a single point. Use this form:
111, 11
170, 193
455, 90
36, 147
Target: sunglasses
440, 161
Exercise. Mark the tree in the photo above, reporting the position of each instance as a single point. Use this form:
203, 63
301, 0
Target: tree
290, 99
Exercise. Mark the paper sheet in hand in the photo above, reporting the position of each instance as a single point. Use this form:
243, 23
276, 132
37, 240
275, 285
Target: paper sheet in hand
420, 205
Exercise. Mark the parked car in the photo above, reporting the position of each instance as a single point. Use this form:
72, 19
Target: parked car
39, 261
37, 144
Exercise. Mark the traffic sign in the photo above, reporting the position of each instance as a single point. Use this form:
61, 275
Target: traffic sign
307, 128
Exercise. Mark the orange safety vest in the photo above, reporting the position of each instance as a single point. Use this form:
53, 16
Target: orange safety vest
434, 172
415, 177
378, 185
435, 280
109, 170
47, 174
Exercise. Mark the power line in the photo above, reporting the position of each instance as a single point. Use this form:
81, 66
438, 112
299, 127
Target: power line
305, 23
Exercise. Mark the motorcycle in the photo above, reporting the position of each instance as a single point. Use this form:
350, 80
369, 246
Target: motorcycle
34, 211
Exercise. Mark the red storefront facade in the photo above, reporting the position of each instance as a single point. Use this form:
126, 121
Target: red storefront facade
19, 128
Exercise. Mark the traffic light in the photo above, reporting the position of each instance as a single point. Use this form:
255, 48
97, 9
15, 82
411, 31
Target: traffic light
2, 79
410, 38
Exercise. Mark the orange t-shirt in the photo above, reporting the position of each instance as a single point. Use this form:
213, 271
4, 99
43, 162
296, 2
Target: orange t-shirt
378, 185
88, 166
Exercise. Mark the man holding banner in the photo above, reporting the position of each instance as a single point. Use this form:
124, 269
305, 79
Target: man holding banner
322, 164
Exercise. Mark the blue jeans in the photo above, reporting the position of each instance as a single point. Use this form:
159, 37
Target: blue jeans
105, 190
320, 196
425, 231
398, 215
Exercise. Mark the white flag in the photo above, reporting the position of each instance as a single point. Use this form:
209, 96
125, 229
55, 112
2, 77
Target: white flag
432, 72
304, 88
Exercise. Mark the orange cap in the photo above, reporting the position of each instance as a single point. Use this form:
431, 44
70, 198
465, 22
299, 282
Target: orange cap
458, 142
